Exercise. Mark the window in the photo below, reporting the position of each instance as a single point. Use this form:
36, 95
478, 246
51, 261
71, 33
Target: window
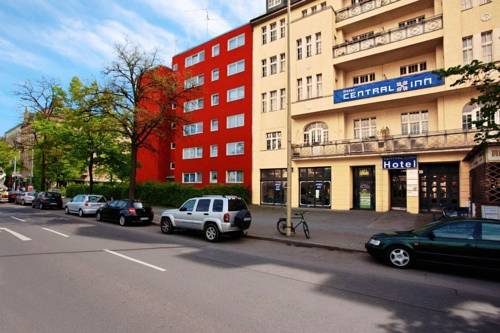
214, 150
195, 59
323, 5
215, 74
318, 43
173, 125
217, 203
264, 35
214, 125
192, 153
415, 122
360, 79
234, 177
319, 85
264, 67
282, 62
235, 148
235, 121
487, 46
236, 42
363, 36
189, 205
365, 128
273, 61
273, 141
309, 87
299, 89
193, 105
264, 102
316, 134
235, 94
467, 49
203, 205
273, 3
314, 9
304, 13
193, 129
215, 99
459, 230
175, 67
466, 4
236, 67
172, 166
413, 68
491, 232
194, 81
484, 2
282, 99
273, 100
299, 49
273, 31
282, 28
411, 22
190, 178
470, 114
215, 50
172, 145
308, 46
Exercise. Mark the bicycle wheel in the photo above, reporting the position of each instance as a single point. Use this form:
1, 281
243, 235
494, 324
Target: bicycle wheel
281, 226
306, 229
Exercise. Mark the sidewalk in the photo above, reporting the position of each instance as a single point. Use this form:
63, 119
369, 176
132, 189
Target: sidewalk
346, 230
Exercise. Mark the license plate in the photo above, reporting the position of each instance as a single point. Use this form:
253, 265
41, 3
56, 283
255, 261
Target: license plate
144, 218
247, 219
53, 204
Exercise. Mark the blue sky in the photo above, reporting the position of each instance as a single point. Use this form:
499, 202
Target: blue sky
59, 39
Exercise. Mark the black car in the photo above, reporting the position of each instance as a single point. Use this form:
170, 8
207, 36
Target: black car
13, 195
125, 212
45, 200
463, 242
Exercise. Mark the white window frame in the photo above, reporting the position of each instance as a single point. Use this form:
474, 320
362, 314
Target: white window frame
234, 177
214, 150
235, 148
212, 174
215, 74
282, 98
236, 67
196, 179
194, 59
264, 102
235, 121
273, 3
273, 100
173, 145
467, 49
193, 105
264, 35
318, 43
415, 123
309, 87
299, 89
172, 166
240, 94
192, 129
466, 4
273, 32
365, 128
319, 85
299, 49
194, 81
363, 78
215, 50
214, 99
192, 153
487, 46
273, 65
239, 40
214, 125
308, 46
282, 62
282, 28
273, 140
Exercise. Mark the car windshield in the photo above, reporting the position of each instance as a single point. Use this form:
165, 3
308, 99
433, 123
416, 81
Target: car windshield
138, 205
53, 195
30, 193
236, 205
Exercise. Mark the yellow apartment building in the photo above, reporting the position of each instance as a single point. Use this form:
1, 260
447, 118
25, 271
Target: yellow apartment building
373, 127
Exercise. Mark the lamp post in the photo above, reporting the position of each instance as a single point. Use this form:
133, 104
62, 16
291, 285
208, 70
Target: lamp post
288, 124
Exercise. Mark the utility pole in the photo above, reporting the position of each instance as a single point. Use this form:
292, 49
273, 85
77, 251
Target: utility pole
288, 123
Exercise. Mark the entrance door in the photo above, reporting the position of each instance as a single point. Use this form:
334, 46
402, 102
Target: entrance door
439, 186
364, 187
398, 189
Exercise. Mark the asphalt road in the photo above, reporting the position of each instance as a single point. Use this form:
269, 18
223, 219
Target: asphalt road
66, 274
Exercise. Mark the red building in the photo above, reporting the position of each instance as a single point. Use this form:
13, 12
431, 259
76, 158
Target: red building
213, 145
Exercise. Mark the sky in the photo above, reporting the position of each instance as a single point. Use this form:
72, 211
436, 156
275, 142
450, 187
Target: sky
59, 39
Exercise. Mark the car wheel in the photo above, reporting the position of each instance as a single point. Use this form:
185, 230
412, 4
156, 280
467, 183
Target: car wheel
399, 257
66, 210
40, 206
98, 217
212, 233
23, 203
122, 221
166, 226
80, 213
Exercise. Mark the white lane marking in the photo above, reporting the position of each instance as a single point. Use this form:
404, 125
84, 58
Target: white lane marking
56, 232
18, 219
16, 234
135, 260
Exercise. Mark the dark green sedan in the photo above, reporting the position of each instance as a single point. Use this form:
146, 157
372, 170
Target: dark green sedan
464, 242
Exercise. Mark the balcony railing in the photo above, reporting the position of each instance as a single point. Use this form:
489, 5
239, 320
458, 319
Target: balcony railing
361, 8
444, 140
390, 36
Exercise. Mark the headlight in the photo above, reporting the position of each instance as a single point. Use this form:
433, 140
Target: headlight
375, 242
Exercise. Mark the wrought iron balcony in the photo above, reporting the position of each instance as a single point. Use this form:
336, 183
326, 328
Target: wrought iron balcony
432, 141
361, 8
390, 36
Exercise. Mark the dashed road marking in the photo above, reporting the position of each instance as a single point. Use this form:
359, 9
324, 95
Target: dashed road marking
56, 232
135, 260
17, 219
16, 234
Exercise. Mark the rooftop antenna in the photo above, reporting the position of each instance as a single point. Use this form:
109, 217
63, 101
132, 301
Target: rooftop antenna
208, 19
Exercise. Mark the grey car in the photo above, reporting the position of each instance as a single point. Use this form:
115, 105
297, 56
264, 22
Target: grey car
25, 198
84, 204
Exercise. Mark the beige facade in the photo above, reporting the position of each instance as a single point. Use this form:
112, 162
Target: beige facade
337, 45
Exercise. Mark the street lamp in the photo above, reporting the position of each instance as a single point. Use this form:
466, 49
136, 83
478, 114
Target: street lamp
288, 124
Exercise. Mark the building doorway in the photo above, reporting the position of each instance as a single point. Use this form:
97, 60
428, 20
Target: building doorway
364, 187
315, 187
439, 186
398, 189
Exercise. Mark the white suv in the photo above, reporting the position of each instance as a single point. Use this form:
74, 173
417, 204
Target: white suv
214, 215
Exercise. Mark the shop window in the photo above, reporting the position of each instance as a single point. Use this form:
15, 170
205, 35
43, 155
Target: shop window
273, 186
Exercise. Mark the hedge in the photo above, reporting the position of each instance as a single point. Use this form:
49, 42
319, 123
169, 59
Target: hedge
159, 194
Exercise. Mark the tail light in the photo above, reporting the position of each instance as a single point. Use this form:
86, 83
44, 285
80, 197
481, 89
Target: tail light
86, 203
226, 217
132, 211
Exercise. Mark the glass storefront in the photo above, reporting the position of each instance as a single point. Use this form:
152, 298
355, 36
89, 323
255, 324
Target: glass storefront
273, 187
315, 187
439, 186
364, 187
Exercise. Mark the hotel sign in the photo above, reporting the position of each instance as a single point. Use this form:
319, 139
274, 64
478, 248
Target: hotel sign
387, 87
400, 163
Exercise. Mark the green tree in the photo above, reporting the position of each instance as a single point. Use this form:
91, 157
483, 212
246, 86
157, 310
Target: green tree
485, 78
7, 155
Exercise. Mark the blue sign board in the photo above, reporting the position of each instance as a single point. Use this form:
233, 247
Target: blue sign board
386, 87
400, 163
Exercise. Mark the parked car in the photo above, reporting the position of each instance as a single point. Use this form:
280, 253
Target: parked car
25, 198
4, 196
214, 215
84, 204
13, 196
46, 200
125, 212
464, 242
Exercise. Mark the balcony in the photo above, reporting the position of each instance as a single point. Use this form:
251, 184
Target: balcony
358, 9
390, 145
391, 36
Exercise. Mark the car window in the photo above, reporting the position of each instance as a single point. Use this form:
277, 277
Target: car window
491, 231
188, 206
236, 205
460, 230
114, 204
218, 206
102, 199
203, 205
122, 204
138, 205
94, 198
53, 195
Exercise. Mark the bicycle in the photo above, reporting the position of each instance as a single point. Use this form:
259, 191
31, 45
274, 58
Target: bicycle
281, 225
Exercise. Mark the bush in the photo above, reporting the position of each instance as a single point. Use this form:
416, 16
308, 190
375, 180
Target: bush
159, 194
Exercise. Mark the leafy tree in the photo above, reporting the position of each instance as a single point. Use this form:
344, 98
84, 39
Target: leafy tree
485, 78
7, 154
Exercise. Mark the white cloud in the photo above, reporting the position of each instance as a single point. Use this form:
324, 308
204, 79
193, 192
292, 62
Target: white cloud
16, 55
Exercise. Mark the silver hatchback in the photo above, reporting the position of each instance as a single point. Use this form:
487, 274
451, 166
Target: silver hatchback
84, 204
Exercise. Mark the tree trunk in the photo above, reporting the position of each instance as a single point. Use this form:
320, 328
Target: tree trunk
91, 173
133, 171
43, 176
